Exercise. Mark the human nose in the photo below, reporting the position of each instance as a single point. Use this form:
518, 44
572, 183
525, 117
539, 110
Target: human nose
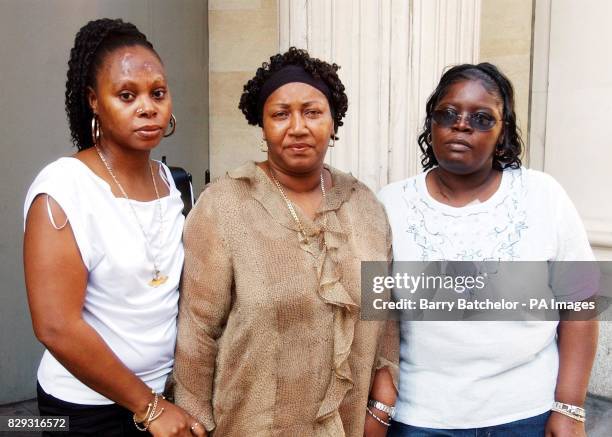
147, 108
298, 125
462, 121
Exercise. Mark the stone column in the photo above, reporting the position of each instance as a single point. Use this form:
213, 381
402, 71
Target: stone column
392, 53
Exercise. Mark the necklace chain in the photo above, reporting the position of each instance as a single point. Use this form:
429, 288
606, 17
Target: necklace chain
290, 204
158, 278
440, 182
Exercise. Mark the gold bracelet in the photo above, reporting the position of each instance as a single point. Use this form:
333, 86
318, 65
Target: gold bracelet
156, 416
152, 415
146, 415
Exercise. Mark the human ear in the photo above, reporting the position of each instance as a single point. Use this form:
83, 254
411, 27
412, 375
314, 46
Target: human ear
92, 99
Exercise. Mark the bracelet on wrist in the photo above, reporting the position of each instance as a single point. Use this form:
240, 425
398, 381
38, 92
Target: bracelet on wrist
151, 413
573, 411
371, 413
382, 407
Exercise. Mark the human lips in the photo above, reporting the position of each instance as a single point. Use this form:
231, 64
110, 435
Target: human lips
298, 147
149, 131
458, 145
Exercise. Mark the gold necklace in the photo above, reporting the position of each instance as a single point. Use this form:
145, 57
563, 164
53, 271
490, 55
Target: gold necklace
297, 220
158, 278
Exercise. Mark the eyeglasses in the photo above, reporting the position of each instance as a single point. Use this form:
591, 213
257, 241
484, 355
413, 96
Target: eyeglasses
480, 121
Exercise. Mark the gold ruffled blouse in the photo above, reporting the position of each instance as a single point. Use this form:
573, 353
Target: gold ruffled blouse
270, 341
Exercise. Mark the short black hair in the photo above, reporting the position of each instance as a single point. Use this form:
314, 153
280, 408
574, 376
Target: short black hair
92, 43
317, 68
508, 151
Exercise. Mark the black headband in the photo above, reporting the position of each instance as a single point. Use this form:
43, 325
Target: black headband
289, 74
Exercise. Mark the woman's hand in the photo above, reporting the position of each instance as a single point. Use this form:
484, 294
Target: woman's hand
373, 428
559, 425
175, 422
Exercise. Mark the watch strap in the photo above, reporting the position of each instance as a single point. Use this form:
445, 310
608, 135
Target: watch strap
390, 410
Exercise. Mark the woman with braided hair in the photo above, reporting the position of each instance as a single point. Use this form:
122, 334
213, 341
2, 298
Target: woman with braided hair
102, 249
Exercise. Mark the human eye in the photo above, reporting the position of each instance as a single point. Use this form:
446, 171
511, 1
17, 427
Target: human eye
126, 96
445, 116
482, 119
313, 113
159, 93
482, 116
280, 115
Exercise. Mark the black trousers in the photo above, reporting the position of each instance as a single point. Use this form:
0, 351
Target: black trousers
88, 420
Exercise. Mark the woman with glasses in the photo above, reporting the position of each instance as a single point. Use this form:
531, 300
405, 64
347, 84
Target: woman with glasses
476, 202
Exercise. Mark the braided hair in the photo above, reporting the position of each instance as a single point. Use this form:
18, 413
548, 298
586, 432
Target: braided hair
508, 151
315, 67
92, 44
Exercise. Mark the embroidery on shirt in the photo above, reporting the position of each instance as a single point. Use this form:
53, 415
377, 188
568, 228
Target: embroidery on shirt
483, 235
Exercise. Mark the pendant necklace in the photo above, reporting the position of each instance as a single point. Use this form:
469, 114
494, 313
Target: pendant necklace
290, 206
158, 278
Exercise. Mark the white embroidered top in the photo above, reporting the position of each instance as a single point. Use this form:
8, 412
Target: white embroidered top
475, 374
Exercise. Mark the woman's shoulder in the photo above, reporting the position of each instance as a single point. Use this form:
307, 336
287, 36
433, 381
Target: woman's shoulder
65, 173
67, 180
62, 168
393, 191
226, 193
537, 182
232, 183
347, 188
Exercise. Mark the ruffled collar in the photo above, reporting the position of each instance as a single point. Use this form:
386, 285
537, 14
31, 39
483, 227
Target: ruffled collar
267, 194
330, 289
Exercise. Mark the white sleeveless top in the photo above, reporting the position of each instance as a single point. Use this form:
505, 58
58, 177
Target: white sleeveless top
137, 321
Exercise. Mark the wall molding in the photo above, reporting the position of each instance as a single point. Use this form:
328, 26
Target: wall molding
391, 54
538, 96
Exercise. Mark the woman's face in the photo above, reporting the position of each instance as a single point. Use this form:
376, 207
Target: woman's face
297, 125
459, 148
131, 98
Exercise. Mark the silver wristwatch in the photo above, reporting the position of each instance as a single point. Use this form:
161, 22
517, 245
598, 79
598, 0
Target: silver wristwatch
382, 407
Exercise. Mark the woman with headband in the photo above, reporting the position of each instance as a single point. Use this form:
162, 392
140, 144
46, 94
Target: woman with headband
270, 340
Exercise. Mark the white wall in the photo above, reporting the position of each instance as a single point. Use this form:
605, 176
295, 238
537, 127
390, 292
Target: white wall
571, 100
392, 54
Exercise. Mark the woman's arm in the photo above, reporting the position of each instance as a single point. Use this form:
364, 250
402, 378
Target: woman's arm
384, 385
383, 390
206, 298
56, 280
577, 342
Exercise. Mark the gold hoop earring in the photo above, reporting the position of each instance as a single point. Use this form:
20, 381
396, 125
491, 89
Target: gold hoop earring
95, 130
263, 146
333, 142
172, 124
